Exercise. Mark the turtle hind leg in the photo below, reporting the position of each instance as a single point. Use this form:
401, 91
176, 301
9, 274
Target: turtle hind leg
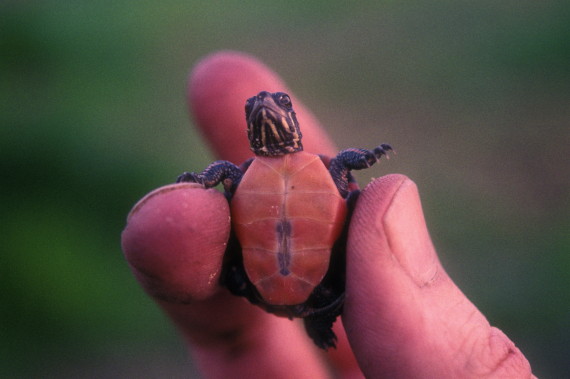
319, 324
327, 299
320, 331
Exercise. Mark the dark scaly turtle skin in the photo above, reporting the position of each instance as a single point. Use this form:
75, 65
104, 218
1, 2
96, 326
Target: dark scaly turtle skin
290, 217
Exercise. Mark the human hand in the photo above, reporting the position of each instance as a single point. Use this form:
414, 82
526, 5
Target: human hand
403, 315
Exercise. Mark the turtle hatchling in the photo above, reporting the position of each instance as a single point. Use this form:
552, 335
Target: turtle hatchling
290, 216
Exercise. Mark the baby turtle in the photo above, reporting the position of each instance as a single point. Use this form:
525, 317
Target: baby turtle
290, 216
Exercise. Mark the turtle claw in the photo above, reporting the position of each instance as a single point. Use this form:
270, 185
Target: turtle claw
383, 150
320, 330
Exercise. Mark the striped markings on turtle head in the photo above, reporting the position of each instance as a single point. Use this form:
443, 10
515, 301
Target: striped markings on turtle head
273, 128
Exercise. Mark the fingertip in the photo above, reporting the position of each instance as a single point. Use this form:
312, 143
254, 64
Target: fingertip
218, 87
380, 313
366, 225
175, 239
391, 215
408, 235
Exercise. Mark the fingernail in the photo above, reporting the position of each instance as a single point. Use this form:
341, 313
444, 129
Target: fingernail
408, 236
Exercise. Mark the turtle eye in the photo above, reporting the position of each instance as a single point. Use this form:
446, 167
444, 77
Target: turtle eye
285, 100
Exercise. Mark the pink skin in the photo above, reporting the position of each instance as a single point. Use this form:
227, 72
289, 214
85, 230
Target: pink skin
404, 317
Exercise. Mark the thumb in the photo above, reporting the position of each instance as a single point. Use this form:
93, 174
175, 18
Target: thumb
404, 316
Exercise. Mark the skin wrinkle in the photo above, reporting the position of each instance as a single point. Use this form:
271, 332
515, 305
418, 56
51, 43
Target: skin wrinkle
512, 359
459, 318
494, 355
468, 346
476, 344
476, 332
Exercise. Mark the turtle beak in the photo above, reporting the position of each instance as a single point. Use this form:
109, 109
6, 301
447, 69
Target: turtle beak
264, 101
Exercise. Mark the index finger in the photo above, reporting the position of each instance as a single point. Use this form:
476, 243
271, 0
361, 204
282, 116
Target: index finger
218, 87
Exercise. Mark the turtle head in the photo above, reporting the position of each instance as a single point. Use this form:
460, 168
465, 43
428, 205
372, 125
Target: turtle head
272, 126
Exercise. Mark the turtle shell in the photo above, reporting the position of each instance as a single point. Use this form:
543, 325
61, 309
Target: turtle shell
287, 213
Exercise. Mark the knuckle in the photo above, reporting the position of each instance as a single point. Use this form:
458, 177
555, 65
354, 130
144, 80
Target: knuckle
494, 355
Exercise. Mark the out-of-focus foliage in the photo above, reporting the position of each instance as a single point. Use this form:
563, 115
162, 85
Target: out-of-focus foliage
474, 96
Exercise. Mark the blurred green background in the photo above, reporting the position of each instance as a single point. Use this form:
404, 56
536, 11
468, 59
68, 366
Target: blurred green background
475, 97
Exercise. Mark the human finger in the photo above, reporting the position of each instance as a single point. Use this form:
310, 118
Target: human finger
218, 87
217, 90
173, 225
403, 315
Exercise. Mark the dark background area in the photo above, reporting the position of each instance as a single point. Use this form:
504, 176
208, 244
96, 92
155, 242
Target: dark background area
475, 97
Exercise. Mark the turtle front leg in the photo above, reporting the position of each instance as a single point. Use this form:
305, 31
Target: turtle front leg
223, 172
354, 159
